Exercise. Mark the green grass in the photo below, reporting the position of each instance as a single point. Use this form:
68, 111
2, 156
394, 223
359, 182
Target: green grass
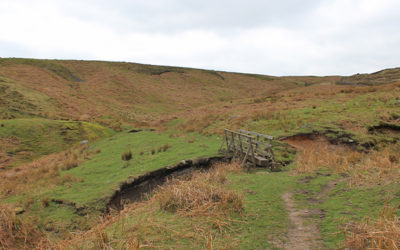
265, 212
105, 171
18, 101
343, 204
36, 137
263, 221
326, 117
101, 175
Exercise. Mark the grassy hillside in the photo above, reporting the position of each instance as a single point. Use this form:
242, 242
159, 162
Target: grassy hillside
25, 139
111, 94
380, 77
82, 180
107, 92
339, 152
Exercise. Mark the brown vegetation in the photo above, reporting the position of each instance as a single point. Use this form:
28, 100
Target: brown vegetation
6, 145
14, 233
43, 172
115, 89
126, 156
213, 118
372, 168
210, 213
203, 193
380, 233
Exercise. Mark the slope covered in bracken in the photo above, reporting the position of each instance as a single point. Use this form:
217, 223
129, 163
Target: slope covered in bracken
109, 91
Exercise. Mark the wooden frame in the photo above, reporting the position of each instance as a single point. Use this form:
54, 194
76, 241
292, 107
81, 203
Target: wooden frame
247, 146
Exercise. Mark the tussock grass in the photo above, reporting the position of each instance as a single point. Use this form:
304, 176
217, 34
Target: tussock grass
44, 172
14, 233
136, 226
202, 194
380, 233
371, 168
126, 156
165, 147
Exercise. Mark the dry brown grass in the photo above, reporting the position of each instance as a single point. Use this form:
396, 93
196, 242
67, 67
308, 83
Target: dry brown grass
202, 194
6, 145
115, 89
372, 168
14, 233
381, 233
95, 238
213, 118
43, 172
319, 153
209, 217
377, 167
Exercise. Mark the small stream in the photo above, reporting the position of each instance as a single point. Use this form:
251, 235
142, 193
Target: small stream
135, 189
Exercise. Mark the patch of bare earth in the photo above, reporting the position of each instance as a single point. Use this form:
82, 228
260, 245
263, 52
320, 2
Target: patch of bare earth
301, 235
303, 232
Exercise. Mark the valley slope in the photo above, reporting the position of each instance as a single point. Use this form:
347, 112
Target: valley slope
336, 142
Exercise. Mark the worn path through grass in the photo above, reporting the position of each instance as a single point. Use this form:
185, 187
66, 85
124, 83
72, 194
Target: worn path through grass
301, 235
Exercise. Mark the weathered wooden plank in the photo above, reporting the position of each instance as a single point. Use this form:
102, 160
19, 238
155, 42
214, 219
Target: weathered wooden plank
245, 158
262, 143
233, 141
244, 135
248, 147
240, 144
226, 139
252, 153
256, 134
261, 161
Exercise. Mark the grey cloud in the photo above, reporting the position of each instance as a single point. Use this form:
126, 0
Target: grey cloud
179, 15
270, 37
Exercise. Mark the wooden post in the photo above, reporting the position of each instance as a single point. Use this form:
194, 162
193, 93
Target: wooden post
240, 144
245, 157
226, 139
222, 144
233, 140
253, 159
258, 139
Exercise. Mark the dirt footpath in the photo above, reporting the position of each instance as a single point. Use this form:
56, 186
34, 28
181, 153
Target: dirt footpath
301, 235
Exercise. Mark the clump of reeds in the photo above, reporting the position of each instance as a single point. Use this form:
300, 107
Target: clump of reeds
164, 148
126, 156
382, 233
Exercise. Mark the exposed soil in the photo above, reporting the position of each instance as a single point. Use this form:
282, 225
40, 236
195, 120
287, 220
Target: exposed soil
140, 130
299, 140
387, 129
301, 235
303, 142
321, 197
331, 137
81, 210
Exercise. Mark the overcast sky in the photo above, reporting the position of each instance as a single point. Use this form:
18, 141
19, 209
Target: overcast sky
282, 37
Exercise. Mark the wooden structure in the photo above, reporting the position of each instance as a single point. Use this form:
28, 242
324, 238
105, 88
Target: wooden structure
248, 147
